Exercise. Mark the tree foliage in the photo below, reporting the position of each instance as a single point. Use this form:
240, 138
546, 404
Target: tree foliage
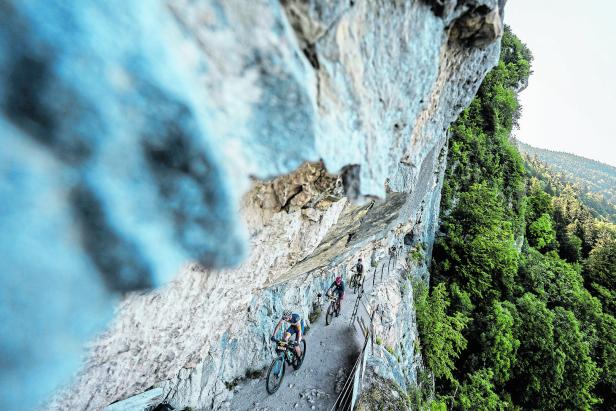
441, 334
477, 393
520, 312
593, 182
541, 233
499, 342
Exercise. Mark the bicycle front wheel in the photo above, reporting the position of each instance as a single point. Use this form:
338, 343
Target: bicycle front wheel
275, 374
330, 314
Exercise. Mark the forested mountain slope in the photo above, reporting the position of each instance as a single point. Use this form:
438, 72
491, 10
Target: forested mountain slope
520, 309
594, 182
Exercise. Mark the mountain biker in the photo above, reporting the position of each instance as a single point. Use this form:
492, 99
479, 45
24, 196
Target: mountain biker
338, 288
359, 267
359, 271
296, 327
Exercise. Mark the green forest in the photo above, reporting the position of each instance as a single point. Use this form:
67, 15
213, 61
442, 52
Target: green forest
594, 183
519, 313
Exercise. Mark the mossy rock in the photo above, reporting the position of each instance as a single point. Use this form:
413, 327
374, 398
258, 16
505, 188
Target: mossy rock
383, 395
315, 314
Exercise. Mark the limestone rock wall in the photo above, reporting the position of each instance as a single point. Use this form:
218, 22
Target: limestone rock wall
139, 137
208, 328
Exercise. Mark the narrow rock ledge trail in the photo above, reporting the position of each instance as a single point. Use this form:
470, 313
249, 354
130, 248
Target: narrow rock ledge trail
330, 354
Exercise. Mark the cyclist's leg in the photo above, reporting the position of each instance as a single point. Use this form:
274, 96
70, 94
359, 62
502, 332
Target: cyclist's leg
339, 303
291, 331
296, 349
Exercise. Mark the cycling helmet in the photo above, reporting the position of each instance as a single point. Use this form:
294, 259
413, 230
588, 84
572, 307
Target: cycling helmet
286, 313
338, 280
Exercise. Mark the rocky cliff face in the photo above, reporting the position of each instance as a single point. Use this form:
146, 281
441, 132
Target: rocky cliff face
137, 132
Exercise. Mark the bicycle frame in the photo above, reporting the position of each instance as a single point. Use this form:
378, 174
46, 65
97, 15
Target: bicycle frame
285, 356
286, 351
334, 307
335, 300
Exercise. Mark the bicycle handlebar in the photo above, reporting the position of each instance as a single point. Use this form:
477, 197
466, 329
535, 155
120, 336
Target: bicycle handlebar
282, 342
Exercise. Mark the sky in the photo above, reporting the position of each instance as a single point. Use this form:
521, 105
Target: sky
570, 102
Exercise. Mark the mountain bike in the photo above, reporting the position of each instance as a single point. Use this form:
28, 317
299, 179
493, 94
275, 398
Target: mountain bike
357, 282
285, 354
334, 308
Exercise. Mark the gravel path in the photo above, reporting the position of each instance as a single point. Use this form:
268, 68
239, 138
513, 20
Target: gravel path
330, 354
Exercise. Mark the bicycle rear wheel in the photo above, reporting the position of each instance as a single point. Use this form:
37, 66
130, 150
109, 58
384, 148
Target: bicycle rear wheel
275, 374
330, 314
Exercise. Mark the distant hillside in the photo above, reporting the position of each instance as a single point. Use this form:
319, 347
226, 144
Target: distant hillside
594, 181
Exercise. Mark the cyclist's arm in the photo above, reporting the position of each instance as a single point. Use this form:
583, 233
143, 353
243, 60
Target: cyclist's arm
277, 328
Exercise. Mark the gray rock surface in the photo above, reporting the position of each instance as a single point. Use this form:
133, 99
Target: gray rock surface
131, 131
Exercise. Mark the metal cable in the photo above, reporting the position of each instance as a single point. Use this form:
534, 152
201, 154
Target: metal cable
347, 383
